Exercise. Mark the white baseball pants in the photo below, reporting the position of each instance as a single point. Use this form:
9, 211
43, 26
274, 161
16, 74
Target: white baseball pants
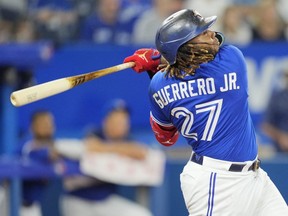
218, 192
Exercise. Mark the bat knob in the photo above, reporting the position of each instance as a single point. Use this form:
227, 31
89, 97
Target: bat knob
13, 100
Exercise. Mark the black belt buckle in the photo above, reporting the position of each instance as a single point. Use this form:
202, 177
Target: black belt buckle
255, 166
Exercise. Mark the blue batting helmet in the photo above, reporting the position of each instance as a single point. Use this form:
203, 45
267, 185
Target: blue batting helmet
179, 28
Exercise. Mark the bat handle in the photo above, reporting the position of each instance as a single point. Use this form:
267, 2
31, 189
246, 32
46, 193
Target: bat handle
126, 65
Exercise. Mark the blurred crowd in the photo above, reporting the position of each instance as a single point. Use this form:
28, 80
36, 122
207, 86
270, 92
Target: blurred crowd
135, 21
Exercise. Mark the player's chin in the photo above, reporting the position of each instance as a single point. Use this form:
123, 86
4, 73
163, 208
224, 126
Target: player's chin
213, 49
216, 47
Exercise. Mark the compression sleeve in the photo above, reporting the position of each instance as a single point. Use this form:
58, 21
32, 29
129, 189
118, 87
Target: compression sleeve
166, 135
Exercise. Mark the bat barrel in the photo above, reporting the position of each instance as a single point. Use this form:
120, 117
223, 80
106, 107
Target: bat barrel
38, 92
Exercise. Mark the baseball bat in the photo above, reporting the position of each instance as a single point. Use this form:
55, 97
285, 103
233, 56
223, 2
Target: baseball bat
47, 89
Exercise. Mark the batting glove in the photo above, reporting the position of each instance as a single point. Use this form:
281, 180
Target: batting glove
145, 60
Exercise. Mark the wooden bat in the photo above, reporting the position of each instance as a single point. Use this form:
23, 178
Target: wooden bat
47, 89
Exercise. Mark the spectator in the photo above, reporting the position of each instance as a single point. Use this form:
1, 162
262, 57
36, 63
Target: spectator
84, 8
245, 2
12, 10
275, 123
282, 6
55, 20
234, 26
56, 4
106, 24
147, 24
208, 7
41, 149
84, 195
25, 31
6, 31
87, 196
267, 23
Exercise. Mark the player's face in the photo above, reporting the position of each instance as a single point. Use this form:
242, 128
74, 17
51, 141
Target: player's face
117, 125
43, 127
207, 37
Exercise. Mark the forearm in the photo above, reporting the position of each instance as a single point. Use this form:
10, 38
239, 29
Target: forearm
279, 136
271, 131
129, 149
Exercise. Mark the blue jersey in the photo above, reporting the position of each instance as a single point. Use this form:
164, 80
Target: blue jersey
34, 189
210, 109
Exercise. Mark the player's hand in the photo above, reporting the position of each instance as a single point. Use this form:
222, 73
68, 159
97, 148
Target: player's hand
145, 60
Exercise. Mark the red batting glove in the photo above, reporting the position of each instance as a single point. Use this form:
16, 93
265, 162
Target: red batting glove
145, 60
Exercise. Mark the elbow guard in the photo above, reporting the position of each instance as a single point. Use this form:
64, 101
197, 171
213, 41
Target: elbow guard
167, 136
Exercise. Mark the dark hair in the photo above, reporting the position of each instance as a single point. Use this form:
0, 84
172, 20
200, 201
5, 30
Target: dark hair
36, 114
189, 57
115, 105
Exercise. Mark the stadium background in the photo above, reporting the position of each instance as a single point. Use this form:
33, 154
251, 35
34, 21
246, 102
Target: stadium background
80, 107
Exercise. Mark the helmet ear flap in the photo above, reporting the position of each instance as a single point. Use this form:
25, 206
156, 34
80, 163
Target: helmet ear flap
221, 38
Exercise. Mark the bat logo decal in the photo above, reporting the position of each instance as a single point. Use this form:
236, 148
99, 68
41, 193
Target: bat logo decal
79, 80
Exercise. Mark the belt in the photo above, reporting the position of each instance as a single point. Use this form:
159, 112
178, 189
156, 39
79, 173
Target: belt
233, 167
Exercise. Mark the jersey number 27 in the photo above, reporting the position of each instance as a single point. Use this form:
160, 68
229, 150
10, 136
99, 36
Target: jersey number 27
214, 109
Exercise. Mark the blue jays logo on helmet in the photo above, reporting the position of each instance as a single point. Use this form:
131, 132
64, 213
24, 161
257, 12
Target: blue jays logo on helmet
178, 29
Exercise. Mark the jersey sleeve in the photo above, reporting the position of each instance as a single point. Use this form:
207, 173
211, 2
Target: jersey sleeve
156, 111
233, 53
41, 155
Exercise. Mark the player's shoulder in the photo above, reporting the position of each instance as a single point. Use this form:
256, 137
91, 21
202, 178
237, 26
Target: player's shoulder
230, 53
158, 81
158, 77
228, 48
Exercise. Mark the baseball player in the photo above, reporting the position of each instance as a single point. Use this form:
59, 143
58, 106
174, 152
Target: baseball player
201, 92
